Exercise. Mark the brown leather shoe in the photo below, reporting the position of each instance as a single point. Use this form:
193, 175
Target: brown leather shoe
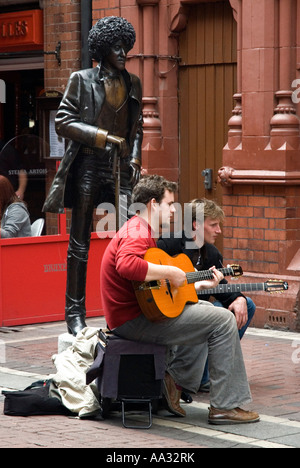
172, 396
235, 416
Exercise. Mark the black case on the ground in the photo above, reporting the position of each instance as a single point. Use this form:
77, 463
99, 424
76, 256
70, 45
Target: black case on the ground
127, 368
137, 377
128, 372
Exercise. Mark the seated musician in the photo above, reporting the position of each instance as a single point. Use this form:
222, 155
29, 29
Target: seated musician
123, 262
203, 257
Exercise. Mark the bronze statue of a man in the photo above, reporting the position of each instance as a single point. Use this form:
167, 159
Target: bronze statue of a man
100, 111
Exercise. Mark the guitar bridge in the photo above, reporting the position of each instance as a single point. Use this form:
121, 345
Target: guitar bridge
149, 285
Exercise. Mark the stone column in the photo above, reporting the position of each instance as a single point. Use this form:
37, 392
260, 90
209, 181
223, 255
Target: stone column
285, 122
152, 124
261, 172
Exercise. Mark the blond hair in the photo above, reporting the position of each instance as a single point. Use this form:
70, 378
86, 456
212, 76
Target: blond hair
210, 208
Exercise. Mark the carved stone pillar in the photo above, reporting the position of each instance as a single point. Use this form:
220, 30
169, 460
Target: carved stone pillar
152, 123
285, 123
261, 164
235, 124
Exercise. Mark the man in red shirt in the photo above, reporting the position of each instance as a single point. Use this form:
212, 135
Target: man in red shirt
123, 262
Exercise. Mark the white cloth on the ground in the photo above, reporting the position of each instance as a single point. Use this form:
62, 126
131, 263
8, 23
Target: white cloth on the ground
70, 378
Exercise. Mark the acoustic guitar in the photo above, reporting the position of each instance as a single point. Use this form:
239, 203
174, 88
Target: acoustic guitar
160, 299
271, 286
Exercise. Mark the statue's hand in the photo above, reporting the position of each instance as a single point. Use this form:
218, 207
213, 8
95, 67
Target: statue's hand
136, 174
121, 143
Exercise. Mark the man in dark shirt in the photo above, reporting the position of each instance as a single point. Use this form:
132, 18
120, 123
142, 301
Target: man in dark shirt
204, 256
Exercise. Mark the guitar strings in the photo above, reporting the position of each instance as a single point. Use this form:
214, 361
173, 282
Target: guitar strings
205, 275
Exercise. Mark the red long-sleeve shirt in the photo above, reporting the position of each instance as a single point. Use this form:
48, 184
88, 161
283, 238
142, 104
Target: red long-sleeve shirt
122, 263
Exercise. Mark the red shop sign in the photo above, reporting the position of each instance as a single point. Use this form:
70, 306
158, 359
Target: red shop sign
21, 30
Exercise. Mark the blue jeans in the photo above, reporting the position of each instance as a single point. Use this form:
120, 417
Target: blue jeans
251, 311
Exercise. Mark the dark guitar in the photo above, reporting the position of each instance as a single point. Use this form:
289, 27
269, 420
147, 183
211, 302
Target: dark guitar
271, 286
159, 299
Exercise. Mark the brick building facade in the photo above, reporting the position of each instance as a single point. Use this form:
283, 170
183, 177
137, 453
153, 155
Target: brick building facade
192, 58
261, 157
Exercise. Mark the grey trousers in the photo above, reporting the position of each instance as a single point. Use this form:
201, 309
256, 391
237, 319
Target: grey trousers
198, 326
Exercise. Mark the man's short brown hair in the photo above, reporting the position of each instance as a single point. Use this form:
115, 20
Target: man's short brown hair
152, 186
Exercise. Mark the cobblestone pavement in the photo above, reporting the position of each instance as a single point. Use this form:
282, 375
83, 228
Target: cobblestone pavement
273, 365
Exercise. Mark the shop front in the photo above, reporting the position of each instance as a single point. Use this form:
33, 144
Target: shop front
33, 278
22, 78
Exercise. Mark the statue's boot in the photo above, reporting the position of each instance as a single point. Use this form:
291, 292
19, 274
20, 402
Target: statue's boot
75, 315
75, 311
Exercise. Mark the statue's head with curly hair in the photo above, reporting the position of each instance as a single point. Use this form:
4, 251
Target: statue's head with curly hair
106, 32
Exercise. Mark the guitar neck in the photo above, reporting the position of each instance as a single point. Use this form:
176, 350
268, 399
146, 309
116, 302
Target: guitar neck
232, 288
195, 276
